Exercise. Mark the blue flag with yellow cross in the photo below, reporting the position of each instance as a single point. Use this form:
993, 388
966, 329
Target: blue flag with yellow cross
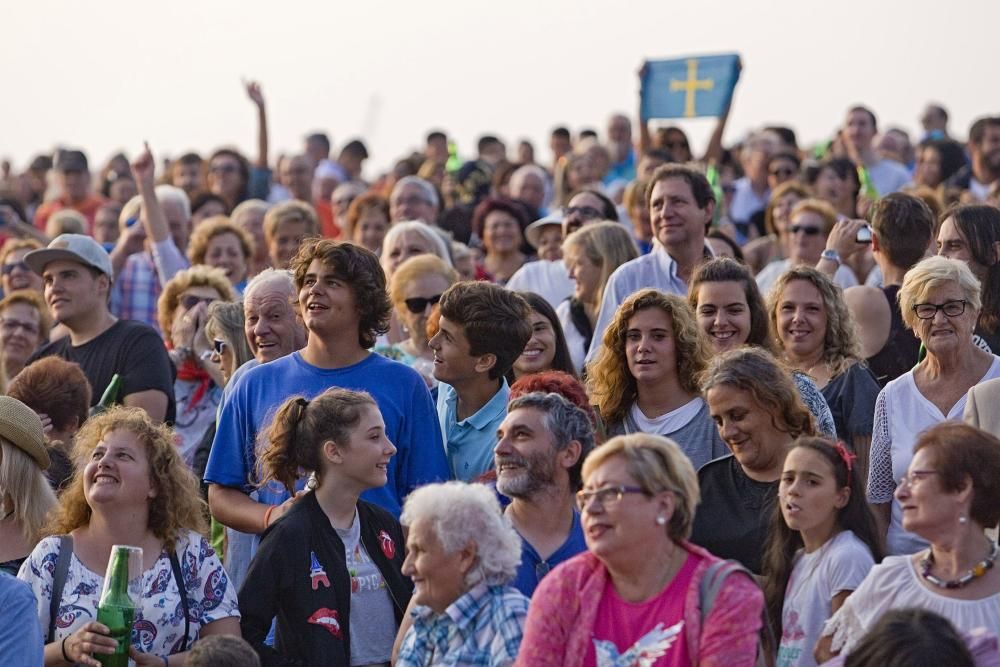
689, 87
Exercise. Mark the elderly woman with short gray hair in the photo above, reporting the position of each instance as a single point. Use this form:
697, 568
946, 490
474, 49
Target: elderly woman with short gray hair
462, 554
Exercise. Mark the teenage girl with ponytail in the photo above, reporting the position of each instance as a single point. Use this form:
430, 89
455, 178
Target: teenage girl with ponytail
823, 543
330, 568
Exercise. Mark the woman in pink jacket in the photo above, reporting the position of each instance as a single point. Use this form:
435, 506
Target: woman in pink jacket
636, 596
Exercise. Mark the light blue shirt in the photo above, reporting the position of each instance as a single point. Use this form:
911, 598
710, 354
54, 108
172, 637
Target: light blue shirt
657, 269
469, 443
21, 640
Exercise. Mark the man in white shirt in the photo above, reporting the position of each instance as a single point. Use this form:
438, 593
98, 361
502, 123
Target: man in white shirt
860, 129
681, 204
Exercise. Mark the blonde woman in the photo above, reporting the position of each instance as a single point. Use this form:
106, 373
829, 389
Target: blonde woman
183, 308
219, 243
25, 495
816, 335
591, 254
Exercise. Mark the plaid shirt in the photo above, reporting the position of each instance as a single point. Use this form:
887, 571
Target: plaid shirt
137, 287
483, 627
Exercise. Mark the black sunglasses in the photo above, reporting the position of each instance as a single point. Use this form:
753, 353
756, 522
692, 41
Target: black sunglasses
781, 173
218, 345
418, 304
9, 268
805, 229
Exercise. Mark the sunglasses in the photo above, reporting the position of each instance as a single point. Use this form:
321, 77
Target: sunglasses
805, 229
585, 212
189, 301
418, 304
782, 173
9, 268
218, 345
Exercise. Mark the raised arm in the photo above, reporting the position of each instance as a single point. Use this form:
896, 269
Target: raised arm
154, 220
645, 140
257, 97
713, 152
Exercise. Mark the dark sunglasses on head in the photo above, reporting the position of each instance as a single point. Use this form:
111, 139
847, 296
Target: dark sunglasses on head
189, 301
9, 268
218, 345
418, 304
805, 229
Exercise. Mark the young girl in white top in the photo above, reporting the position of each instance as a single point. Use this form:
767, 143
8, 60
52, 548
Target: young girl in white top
823, 543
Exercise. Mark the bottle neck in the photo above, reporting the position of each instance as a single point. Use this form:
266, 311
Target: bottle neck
118, 585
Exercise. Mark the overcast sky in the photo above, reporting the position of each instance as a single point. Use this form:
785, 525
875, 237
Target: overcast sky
104, 76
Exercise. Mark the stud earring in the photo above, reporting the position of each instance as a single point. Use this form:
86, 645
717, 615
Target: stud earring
963, 520
661, 521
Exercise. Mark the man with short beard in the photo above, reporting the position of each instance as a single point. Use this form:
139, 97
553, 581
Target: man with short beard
984, 153
539, 455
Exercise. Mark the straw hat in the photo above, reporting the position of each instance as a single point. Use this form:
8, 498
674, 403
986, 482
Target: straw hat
20, 426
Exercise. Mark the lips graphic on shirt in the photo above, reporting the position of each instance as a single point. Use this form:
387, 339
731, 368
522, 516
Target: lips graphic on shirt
327, 618
388, 546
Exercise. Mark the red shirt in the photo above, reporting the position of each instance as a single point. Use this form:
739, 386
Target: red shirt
88, 207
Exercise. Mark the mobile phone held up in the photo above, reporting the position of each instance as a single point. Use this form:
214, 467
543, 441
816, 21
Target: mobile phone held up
864, 234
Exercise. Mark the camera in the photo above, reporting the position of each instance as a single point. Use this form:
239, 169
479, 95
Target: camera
864, 234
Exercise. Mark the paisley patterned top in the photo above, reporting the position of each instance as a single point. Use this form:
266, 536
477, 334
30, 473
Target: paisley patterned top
159, 620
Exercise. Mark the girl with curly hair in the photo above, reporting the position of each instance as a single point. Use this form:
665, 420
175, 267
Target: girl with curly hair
817, 336
131, 487
645, 378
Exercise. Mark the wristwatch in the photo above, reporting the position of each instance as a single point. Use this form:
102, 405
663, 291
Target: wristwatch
831, 255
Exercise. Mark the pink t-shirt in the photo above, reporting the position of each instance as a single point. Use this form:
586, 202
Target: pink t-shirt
628, 634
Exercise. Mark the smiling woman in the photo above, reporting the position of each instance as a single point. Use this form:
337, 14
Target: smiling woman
131, 487
221, 244
546, 349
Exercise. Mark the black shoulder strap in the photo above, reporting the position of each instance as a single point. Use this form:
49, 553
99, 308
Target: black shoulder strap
58, 583
175, 565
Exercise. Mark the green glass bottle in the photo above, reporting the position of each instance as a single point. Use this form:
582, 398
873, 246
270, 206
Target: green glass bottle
117, 609
867, 184
109, 397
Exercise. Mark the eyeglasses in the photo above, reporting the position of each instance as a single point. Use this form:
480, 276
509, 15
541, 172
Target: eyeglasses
927, 311
915, 477
782, 173
9, 325
218, 345
585, 212
418, 304
606, 497
9, 268
223, 169
189, 301
805, 229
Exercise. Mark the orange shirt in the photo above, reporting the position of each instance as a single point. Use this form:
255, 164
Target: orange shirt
327, 220
88, 207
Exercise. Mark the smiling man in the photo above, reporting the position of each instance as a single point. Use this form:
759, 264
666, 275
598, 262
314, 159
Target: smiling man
483, 329
539, 457
344, 306
76, 272
681, 204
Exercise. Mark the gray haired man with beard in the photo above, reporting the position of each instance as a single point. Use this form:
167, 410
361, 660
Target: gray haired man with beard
539, 457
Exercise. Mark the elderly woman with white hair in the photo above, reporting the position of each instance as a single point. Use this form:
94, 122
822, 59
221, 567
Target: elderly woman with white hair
940, 301
462, 554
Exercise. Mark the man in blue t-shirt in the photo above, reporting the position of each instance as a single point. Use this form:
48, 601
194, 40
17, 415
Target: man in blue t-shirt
539, 456
344, 305
482, 331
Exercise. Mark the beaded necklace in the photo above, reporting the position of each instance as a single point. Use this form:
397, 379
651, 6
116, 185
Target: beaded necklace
978, 570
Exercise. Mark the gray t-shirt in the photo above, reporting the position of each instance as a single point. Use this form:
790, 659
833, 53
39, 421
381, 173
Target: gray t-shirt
373, 619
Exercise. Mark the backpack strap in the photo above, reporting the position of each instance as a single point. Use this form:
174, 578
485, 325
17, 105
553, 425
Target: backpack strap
59, 582
711, 585
175, 565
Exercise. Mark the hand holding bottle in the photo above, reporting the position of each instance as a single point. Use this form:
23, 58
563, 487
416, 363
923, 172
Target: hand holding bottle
93, 637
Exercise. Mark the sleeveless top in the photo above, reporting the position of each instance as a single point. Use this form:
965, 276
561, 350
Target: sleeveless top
901, 349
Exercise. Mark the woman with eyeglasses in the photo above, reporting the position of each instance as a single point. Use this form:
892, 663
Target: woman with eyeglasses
182, 310
940, 301
809, 224
950, 496
24, 327
415, 288
635, 592
774, 246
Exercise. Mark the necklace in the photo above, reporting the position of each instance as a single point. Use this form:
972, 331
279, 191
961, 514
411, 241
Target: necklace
978, 570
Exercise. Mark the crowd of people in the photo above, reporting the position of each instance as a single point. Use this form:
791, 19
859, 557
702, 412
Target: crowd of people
632, 407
